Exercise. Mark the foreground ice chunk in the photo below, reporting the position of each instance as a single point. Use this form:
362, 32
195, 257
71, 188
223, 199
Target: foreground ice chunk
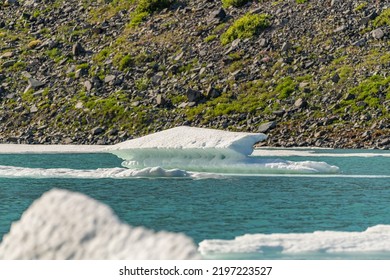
66, 225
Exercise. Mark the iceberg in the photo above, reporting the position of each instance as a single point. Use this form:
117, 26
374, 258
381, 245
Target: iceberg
207, 150
185, 137
66, 225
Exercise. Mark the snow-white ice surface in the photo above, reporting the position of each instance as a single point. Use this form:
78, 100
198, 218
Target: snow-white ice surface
375, 239
66, 225
185, 137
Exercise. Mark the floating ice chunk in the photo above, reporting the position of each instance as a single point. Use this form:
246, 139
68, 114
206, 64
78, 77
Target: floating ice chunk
207, 150
115, 173
67, 225
374, 239
185, 137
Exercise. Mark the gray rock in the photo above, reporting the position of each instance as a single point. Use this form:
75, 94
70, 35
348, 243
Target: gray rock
212, 92
49, 44
378, 33
96, 82
237, 75
191, 104
33, 109
97, 130
81, 73
193, 95
179, 56
265, 127
349, 96
300, 103
334, 2
340, 29
113, 131
156, 79
286, 46
279, 113
182, 105
33, 83
109, 78
88, 85
361, 104
77, 49
9, 63
359, 43
67, 140
384, 142
236, 43
11, 2
336, 78
7, 55
160, 100
79, 105
219, 14
262, 42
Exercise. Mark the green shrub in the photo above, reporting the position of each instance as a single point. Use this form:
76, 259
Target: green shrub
125, 62
245, 27
142, 84
285, 87
102, 55
300, 1
150, 6
369, 90
82, 66
138, 18
361, 7
383, 19
234, 3
210, 38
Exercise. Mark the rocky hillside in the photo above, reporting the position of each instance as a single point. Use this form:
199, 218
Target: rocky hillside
307, 73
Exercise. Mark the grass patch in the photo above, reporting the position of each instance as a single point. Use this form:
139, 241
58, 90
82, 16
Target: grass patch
234, 3
123, 62
246, 27
383, 19
360, 7
34, 43
285, 87
136, 19
142, 84
102, 55
210, 38
372, 88
151, 6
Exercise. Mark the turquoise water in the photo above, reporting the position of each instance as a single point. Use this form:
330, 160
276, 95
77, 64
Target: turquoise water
222, 208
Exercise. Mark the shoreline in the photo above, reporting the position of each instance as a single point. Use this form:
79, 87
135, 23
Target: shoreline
50, 149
